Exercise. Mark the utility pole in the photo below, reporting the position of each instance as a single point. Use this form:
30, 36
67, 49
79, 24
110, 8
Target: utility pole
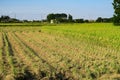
41, 17
15, 15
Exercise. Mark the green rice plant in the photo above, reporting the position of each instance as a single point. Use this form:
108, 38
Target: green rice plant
75, 51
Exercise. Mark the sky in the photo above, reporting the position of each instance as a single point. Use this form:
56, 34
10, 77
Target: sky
38, 9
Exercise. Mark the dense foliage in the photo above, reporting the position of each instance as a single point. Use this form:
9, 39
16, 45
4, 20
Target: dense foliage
58, 17
100, 19
116, 5
6, 19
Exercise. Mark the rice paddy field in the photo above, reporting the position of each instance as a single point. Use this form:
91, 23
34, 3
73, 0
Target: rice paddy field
60, 52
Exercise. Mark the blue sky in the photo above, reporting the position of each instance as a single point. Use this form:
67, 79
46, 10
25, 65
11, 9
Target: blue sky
38, 9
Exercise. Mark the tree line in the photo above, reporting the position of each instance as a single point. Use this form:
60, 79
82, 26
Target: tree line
64, 18
116, 17
59, 17
55, 18
6, 19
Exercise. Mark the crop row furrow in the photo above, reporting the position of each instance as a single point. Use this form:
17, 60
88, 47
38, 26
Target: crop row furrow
57, 60
38, 62
1, 60
23, 53
57, 49
89, 54
42, 49
28, 67
42, 52
8, 58
33, 53
4, 56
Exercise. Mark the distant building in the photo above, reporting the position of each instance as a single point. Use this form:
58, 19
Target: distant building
53, 21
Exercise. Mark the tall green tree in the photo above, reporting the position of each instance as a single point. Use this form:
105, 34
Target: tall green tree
99, 19
50, 17
5, 19
116, 17
58, 17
